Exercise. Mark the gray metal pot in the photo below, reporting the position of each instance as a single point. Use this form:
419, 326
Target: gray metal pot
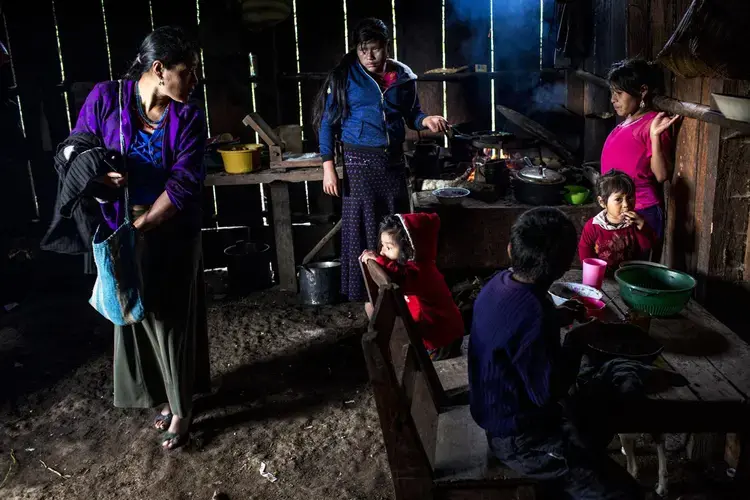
320, 283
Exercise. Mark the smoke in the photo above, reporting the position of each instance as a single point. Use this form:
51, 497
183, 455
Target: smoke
516, 29
548, 96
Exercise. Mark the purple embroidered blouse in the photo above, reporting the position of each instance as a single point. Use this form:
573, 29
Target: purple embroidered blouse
183, 143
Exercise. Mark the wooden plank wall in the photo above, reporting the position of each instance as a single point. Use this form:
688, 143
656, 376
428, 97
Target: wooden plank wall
103, 51
708, 199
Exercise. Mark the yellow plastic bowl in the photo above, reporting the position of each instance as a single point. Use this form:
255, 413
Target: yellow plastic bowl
240, 158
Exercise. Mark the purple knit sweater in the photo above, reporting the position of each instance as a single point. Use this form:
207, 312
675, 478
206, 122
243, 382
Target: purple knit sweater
183, 144
516, 363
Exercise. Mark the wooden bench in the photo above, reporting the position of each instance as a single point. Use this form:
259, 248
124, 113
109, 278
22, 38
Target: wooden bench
435, 450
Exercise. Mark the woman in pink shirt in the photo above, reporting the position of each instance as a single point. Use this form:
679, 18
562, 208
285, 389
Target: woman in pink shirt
640, 146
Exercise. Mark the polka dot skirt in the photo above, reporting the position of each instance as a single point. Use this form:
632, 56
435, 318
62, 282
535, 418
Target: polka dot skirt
373, 189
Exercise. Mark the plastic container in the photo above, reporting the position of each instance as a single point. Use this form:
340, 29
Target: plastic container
653, 290
562, 292
594, 307
593, 272
240, 158
576, 195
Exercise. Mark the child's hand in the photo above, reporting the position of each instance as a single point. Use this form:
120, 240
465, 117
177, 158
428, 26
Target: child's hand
634, 218
368, 255
570, 311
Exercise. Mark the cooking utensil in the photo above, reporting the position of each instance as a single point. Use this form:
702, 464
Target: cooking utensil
320, 283
576, 195
248, 266
654, 290
621, 340
451, 195
563, 291
537, 185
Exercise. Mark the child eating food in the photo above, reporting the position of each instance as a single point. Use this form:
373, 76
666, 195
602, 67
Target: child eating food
519, 372
408, 248
618, 233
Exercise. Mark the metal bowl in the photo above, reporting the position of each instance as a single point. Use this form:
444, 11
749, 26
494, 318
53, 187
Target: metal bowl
451, 195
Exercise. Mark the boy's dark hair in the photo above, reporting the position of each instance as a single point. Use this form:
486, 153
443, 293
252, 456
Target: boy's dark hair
392, 224
630, 75
542, 245
615, 181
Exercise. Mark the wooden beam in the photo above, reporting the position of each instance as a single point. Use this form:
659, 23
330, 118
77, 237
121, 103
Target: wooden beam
267, 176
676, 107
325, 239
282, 228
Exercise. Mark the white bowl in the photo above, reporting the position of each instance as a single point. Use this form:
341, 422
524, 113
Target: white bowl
562, 292
733, 107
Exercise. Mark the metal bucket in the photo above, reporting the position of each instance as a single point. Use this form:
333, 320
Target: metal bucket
249, 266
320, 283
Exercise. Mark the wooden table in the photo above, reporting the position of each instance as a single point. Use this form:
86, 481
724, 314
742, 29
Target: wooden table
715, 362
475, 234
278, 181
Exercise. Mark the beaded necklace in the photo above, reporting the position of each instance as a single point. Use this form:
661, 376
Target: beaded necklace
154, 124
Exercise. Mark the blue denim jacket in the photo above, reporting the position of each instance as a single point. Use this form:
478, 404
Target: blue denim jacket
376, 118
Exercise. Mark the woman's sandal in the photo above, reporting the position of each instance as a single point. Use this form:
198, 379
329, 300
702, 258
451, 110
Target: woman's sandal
162, 422
171, 440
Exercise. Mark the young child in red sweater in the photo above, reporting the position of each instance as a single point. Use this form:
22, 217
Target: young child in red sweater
408, 248
617, 233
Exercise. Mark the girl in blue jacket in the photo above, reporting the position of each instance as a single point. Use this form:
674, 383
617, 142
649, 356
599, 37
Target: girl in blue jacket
366, 101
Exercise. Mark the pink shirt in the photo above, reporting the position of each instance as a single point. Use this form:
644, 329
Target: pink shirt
628, 149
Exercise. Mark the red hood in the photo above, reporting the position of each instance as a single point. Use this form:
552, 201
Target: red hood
422, 230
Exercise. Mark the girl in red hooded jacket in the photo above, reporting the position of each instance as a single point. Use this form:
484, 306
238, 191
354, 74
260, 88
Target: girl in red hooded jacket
408, 248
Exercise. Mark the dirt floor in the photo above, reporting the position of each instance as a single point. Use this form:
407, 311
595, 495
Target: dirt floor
290, 391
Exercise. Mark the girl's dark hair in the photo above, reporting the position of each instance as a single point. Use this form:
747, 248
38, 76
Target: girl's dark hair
393, 226
615, 181
543, 242
631, 74
368, 30
167, 44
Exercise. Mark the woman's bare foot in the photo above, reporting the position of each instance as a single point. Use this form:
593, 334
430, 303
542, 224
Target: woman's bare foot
178, 433
163, 419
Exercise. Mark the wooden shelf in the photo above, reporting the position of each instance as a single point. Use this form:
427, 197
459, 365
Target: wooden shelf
437, 77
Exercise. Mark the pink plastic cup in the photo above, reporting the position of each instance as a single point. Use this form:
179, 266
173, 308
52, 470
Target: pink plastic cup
593, 272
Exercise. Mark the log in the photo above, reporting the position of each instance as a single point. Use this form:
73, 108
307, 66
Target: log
689, 109
325, 239
539, 132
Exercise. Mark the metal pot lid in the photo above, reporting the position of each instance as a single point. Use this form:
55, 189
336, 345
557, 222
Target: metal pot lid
541, 175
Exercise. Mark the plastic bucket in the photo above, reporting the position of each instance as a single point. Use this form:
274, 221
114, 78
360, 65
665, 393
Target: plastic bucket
240, 158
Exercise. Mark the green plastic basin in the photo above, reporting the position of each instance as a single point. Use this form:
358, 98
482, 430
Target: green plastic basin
654, 290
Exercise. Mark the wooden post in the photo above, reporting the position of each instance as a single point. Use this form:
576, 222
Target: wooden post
282, 228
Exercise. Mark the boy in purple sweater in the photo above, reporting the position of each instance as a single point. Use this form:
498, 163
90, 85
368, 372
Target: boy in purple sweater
519, 372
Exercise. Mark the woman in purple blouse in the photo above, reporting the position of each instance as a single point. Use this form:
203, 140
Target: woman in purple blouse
162, 361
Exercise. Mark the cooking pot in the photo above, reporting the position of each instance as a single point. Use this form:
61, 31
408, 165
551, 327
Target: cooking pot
320, 283
249, 266
539, 185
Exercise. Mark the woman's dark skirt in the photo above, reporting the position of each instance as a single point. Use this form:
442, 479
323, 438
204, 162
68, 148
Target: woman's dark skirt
374, 187
164, 358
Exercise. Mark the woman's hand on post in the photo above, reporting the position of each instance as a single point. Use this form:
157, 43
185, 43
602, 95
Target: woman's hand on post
661, 123
330, 179
435, 123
